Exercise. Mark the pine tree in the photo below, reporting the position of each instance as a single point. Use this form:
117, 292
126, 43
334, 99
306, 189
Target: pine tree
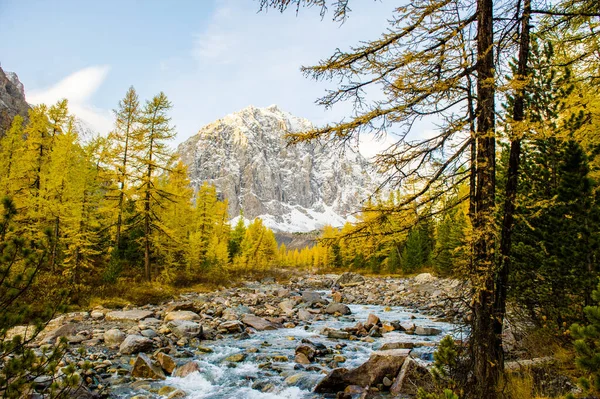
237, 236
126, 141
155, 158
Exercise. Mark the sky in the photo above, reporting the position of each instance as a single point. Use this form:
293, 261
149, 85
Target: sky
210, 57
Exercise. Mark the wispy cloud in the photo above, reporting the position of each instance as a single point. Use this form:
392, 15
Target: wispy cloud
78, 88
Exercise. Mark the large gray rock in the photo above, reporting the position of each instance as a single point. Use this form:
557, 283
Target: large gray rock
311, 298
128, 315
62, 331
247, 152
185, 328
349, 279
134, 344
411, 377
419, 330
258, 323
336, 307
182, 315
370, 373
145, 368
114, 337
186, 369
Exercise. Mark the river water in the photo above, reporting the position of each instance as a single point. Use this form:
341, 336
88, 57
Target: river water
221, 379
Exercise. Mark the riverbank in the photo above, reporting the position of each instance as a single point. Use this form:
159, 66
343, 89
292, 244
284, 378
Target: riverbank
263, 339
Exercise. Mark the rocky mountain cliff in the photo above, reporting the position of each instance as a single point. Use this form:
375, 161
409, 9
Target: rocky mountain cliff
12, 99
292, 188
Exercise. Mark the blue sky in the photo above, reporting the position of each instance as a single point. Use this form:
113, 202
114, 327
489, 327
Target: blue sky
211, 57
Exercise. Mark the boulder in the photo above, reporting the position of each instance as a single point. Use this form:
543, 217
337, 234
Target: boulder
187, 369
166, 362
336, 334
287, 306
182, 315
231, 326
128, 315
134, 344
308, 350
349, 279
301, 358
238, 357
397, 345
337, 297
424, 278
312, 298
336, 307
146, 368
412, 376
66, 330
372, 320
370, 373
258, 323
419, 330
305, 315
114, 337
185, 328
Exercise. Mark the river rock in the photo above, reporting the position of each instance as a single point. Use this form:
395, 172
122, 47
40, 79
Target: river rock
337, 297
336, 334
370, 373
308, 350
411, 376
182, 315
177, 394
146, 368
287, 306
134, 344
258, 323
397, 345
349, 279
231, 326
336, 307
305, 315
62, 331
312, 298
187, 369
372, 320
114, 337
238, 357
128, 315
97, 315
419, 330
424, 278
301, 358
166, 362
185, 328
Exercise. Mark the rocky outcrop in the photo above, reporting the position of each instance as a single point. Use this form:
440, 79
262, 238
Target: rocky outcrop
381, 364
12, 99
292, 188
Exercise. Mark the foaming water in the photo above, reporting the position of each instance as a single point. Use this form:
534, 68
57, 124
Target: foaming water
269, 371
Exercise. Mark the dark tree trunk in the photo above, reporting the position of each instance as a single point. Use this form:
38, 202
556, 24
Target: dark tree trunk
512, 181
484, 345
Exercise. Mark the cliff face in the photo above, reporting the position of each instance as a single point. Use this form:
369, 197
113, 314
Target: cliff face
12, 99
292, 188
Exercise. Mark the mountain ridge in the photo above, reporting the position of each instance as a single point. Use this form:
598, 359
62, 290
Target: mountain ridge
292, 188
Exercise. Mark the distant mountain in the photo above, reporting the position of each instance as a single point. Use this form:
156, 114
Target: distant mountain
292, 188
12, 99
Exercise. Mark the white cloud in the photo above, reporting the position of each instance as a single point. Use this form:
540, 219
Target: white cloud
78, 88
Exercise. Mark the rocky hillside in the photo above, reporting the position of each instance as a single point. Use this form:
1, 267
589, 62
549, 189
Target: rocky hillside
292, 188
12, 99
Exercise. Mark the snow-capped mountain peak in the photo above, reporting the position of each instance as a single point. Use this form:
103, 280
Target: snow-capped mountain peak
292, 188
